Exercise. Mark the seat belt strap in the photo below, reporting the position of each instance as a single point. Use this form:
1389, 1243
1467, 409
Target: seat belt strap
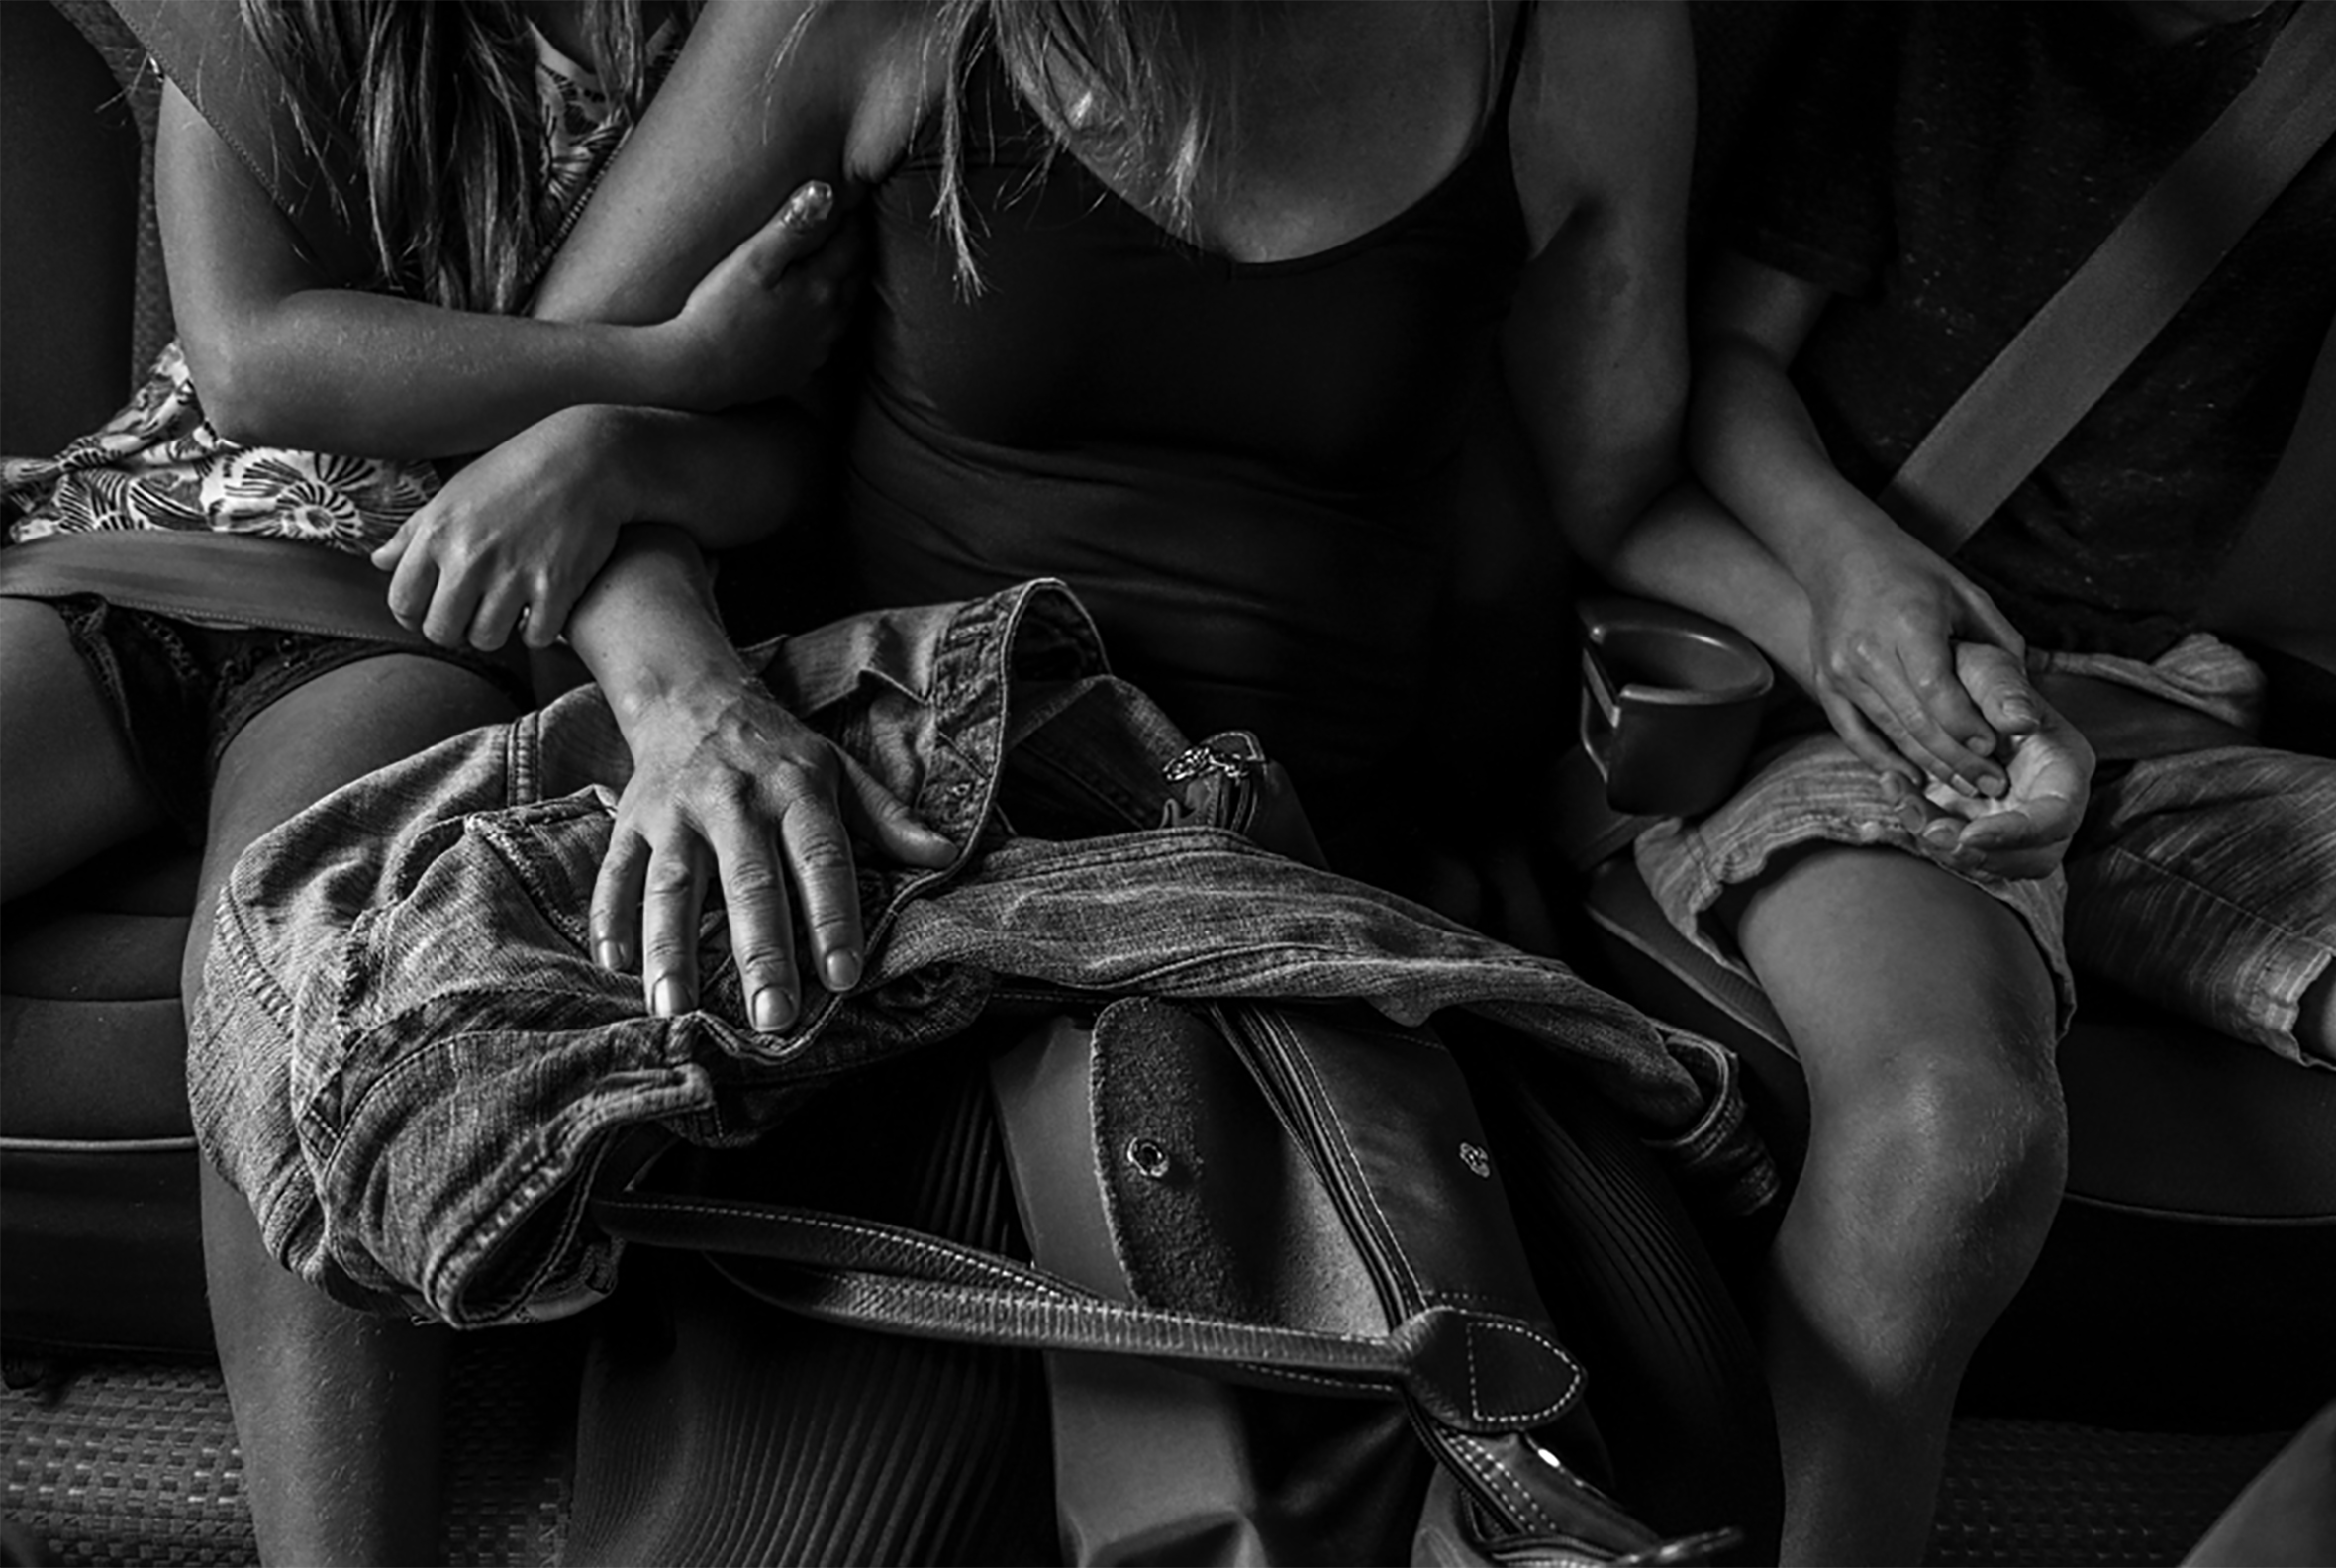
2073, 349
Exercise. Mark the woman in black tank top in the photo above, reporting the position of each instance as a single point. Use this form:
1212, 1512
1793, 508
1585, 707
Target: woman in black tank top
1248, 469
1213, 365
1233, 397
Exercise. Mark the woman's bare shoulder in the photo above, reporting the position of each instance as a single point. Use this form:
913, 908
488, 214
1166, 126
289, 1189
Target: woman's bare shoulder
1604, 107
861, 71
766, 95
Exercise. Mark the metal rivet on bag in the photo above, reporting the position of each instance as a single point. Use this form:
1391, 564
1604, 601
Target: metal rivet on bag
1475, 1160
1149, 1157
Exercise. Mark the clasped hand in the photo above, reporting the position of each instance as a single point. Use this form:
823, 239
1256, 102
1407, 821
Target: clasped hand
1924, 678
513, 538
2024, 829
1886, 615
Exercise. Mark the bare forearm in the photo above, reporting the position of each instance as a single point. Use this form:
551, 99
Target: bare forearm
1752, 441
646, 628
371, 374
1686, 549
725, 479
281, 359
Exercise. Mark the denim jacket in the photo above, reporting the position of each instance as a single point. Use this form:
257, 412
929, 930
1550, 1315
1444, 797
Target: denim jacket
408, 1060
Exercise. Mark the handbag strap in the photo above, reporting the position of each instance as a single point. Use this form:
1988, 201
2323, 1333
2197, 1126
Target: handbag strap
867, 1275
2073, 349
217, 579
844, 1269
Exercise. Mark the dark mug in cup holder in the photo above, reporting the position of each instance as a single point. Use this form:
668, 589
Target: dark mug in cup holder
1671, 702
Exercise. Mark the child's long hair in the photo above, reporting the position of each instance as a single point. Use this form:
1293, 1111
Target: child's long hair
1142, 88
431, 105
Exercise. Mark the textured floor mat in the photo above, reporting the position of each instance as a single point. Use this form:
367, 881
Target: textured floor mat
2037, 1492
136, 1462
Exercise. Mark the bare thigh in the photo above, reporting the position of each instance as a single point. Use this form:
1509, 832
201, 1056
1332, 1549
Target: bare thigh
338, 727
68, 785
1872, 956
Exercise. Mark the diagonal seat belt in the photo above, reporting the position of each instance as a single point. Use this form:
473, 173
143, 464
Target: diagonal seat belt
2083, 337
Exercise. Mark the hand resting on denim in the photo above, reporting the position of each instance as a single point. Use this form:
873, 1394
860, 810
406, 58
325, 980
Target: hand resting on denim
721, 771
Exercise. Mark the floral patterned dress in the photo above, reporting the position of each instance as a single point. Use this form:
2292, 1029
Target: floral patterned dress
160, 464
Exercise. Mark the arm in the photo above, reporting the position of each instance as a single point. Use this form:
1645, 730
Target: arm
280, 358
727, 784
1595, 351
767, 95
515, 537
1596, 354
527, 525
1885, 610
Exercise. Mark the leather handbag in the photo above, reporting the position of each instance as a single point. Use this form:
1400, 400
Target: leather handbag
1245, 1221
1230, 1207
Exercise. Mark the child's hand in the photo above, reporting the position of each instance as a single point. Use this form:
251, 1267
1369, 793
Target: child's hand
763, 320
511, 541
2024, 831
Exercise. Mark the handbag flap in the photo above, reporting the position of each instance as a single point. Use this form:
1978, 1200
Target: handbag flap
1317, 1169
1212, 1207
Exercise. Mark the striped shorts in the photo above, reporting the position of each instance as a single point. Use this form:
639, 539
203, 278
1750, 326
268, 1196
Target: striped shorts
2202, 881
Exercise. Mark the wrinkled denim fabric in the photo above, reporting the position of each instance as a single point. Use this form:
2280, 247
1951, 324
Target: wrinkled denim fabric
408, 1060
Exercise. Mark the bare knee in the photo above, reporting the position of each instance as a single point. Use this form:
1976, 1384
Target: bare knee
1961, 1157
1924, 1016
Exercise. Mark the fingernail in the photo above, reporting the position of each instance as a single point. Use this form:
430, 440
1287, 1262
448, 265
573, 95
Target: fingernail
774, 1010
1983, 743
671, 999
610, 953
1962, 784
843, 971
1993, 786
810, 205
2020, 714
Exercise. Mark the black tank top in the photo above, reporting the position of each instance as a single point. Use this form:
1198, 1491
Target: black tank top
1243, 469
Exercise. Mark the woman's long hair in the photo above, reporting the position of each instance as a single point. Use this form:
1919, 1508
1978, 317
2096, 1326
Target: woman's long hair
432, 106
1147, 90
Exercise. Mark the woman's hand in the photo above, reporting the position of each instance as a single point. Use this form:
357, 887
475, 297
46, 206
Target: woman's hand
726, 782
2026, 829
764, 318
1887, 616
512, 539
